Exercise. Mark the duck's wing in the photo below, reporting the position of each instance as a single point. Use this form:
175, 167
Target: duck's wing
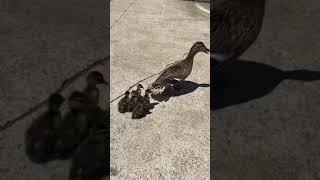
233, 24
169, 74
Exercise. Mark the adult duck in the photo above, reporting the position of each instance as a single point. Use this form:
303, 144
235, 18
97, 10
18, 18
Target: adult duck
177, 71
236, 24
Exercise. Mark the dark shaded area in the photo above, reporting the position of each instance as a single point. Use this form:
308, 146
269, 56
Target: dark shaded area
43, 42
243, 81
181, 88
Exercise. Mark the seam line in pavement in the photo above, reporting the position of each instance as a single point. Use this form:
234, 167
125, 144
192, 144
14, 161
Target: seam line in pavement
117, 20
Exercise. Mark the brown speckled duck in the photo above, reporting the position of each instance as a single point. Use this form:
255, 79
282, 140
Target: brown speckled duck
236, 24
178, 71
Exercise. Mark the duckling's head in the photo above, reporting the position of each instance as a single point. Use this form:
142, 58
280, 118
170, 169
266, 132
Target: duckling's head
55, 100
77, 100
139, 86
95, 77
199, 47
134, 93
126, 94
148, 91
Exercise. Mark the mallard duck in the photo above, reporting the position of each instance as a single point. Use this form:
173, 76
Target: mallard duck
90, 158
123, 104
236, 24
178, 71
74, 127
40, 138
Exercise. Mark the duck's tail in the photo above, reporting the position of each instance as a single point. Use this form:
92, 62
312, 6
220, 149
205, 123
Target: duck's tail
302, 75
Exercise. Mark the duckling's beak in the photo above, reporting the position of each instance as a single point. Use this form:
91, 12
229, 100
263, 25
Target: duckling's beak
105, 82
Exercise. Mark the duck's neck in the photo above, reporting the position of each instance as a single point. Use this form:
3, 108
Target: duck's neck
191, 55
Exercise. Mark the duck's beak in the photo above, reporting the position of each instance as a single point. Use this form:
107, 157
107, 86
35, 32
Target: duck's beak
206, 50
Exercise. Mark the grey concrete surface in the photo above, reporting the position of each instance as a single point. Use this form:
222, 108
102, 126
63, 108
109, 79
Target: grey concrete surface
173, 141
41, 44
272, 133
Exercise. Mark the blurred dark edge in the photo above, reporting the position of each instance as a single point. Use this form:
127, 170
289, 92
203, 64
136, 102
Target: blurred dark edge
96, 13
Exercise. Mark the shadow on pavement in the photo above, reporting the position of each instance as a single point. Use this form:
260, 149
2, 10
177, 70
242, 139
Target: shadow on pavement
181, 88
243, 81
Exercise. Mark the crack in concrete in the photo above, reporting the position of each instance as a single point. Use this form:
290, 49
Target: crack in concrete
117, 20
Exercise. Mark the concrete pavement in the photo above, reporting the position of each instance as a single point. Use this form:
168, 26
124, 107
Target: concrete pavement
173, 141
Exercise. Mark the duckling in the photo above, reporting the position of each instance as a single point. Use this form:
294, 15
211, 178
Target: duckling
139, 111
74, 126
124, 103
40, 138
138, 90
143, 106
91, 158
96, 115
236, 25
146, 101
178, 71
133, 100
93, 79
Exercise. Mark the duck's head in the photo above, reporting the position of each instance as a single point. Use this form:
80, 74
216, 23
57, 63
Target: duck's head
77, 100
148, 91
134, 93
199, 47
55, 100
139, 86
95, 77
127, 94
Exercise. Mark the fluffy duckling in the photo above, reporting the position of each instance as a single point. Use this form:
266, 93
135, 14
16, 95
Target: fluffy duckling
93, 79
138, 90
123, 104
40, 138
143, 106
96, 115
133, 100
139, 111
74, 126
90, 158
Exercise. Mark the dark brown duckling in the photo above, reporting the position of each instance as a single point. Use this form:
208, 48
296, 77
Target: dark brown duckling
90, 158
133, 100
139, 111
123, 105
236, 25
96, 115
40, 138
146, 101
74, 127
143, 106
178, 71
93, 79
138, 90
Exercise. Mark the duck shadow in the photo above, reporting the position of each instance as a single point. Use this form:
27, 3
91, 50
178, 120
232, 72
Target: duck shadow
181, 88
243, 81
